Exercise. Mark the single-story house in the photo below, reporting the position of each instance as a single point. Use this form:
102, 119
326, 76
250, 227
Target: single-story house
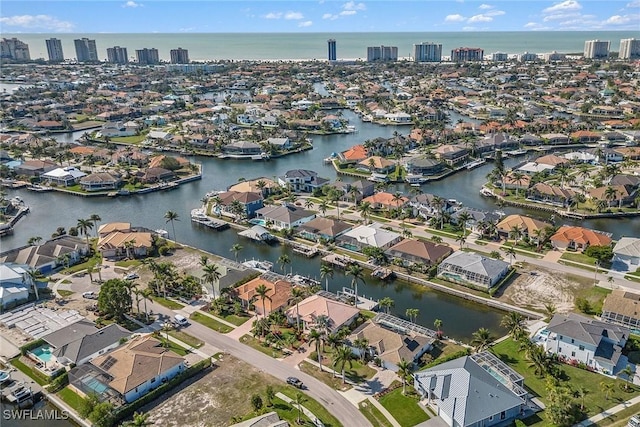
525, 224
338, 313
471, 269
99, 181
368, 235
284, 216
125, 244
65, 177
277, 297
412, 251
626, 254
384, 200
62, 250
621, 307
578, 238
323, 228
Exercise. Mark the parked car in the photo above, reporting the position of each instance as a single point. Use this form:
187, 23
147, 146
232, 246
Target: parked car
89, 295
295, 382
181, 320
131, 276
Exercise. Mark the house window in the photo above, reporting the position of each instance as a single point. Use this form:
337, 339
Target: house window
559, 349
153, 380
572, 340
502, 415
581, 348
573, 354
561, 337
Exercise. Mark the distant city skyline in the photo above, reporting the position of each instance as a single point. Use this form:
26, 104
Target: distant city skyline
208, 16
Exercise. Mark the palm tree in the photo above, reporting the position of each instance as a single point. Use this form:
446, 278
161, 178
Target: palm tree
323, 207
236, 248
95, 218
357, 274
482, 339
146, 296
308, 204
404, 372
297, 295
513, 322
365, 210
299, 400
606, 387
172, 216
549, 310
539, 361
516, 233
34, 240
438, 325
461, 239
581, 393
386, 303
283, 260
261, 292
83, 226
326, 272
463, 218
341, 357
511, 252
361, 344
315, 336
140, 419
211, 276
412, 314
610, 194
628, 373
204, 260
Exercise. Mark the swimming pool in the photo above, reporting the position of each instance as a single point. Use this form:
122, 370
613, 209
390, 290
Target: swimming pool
94, 385
43, 353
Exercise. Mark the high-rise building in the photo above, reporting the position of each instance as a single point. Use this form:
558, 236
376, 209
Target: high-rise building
499, 57
147, 56
527, 57
464, 54
427, 52
86, 50
54, 50
14, 49
596, 49
554, 56
331, 44
382, 53
629, 49
117, 55
179, 56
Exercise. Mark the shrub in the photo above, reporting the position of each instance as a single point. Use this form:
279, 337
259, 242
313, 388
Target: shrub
30, 346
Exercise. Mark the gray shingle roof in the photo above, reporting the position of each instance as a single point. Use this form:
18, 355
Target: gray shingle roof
585, 329
476, 263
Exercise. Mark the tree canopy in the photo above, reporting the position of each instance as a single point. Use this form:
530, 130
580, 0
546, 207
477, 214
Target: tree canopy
114, 298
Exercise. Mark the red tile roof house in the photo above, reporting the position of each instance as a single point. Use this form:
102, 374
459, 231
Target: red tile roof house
277, 297
578, 238
339, 314
411, 251
383, 200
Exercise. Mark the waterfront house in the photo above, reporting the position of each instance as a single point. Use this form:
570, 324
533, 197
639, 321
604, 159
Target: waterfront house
550, 194
578, 238
159, 136
277, 297
118, 129
452, 155
128, 372
81, 341
391, 345
412, 251
555, 138
471, 391
229, 276
354, 154
476, 218
280, 144
249, 201
34, 167
244, 148
576, 338
606, 155
262, 185
100, 181
372, 235
377, 164
62, 250
302, 180
621, 307
424, 166
130, 244
154, 175
510, 182
323, 228
428, 205
284, 216
585, 137
64, 177
552, 160
531, 168
580, 157
626, 254
384, 200
309, 309
15, 284
364, 189
110, 227
530, 140
474, 270
620, 195
398, 118
527, 227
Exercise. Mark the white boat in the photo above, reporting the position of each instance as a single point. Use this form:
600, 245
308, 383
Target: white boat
162, 233
303, 280
198, 214
486, 192
262, 266
475, 164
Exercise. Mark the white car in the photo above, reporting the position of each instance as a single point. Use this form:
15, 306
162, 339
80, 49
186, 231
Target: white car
89, 295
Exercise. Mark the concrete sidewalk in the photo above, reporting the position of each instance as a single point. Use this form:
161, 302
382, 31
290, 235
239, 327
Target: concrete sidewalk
611, 411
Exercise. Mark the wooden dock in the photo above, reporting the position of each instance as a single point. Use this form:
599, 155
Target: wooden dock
383, 273
210, 223
307, 251
337, 260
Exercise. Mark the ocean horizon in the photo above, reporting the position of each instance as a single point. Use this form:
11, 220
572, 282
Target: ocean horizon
310, 46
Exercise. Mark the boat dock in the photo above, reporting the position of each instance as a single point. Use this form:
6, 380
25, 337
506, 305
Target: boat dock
348, 294
337, 260
211, 223
307, 251
475, 164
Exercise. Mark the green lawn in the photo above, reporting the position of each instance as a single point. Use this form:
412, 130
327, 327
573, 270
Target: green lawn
357, 372
22, 367
373, 414
327, 378
621, 418
236, 320
287, 411
170, 304
578, 257
176, 348
71, 398
404, 409
186, 338
65, 293
595, 401
258, 345
210, 323
129, 263
133, 139
311, 404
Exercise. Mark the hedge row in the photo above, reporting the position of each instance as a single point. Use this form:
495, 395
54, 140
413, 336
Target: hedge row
129, 409
452, 356
32, 345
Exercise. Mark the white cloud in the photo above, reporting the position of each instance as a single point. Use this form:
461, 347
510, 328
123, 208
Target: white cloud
44, 22
305, 24
347, 12
563, 6
560, 16
531, 25
480, 18
273, 15
634, 4
494, 13
621, 19
329, 16
485, 6
454, 18
132, 4
352, 5
293, 15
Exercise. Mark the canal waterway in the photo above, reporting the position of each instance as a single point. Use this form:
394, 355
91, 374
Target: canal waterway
460, 318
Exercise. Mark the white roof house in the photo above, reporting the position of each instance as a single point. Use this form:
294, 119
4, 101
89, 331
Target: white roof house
14, 284
369, 235
64, 176
533, 167
626, 254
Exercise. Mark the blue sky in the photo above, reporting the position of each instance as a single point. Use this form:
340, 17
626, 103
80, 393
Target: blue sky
206, 16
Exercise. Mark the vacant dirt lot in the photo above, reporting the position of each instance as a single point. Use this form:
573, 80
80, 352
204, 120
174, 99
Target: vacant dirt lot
214, 399
534, 287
